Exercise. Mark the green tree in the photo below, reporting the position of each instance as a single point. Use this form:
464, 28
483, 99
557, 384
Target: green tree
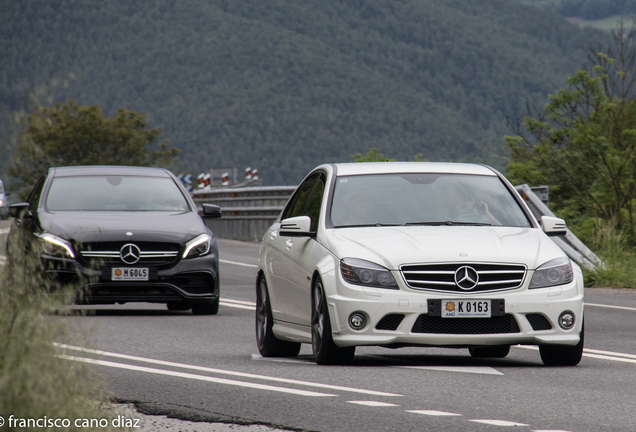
373, 155
583, 143
69, 134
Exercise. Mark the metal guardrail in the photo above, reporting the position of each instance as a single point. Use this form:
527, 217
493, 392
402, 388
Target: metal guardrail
571, 245
247, 212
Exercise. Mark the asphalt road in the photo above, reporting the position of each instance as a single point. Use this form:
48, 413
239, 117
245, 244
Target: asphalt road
207, 368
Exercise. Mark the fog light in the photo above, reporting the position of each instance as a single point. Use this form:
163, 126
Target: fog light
566, 320
357, 321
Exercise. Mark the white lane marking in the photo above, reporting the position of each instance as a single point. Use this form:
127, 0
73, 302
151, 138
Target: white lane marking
237, 306
603, 357
549, 430
372, 403
240, 302
593, 351
611, 306
486, 370
238, 263
433, 413
225, 372
597, 354
499, 423
282, 360
197, 377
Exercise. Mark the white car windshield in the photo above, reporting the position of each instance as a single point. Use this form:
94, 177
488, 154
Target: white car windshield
424, 199
115, 193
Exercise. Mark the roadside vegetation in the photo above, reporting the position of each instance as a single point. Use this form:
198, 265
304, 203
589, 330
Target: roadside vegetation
619, 259
583, 144
35, 383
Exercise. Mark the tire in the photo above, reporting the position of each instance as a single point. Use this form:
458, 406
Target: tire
211, 308
326, 352
178, 306
497, 351
268, 344
563, 355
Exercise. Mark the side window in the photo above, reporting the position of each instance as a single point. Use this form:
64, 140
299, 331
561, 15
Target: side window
296, 206
34, 196
315, 201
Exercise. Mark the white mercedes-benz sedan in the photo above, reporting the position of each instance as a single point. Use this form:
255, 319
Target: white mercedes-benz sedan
399, 254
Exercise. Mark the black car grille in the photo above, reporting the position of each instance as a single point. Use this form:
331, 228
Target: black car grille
109, 253
390, 322
539, 322
441, 277
438, 325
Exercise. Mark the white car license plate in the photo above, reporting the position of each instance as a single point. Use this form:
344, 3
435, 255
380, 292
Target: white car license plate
466, 309
129, 273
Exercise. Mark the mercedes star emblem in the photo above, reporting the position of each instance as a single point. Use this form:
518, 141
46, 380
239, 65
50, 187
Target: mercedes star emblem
130, 254
466, 278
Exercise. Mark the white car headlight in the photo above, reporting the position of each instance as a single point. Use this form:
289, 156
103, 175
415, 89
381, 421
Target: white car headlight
555, 272
360, 272
56, 246
198, 246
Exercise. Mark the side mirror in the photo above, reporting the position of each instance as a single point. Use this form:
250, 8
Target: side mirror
17, 211
553, 226
298, 226
212, 211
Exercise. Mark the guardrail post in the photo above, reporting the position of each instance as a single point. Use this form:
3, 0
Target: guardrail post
247, 212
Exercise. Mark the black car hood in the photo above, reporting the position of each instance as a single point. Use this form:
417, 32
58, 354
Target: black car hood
113, 226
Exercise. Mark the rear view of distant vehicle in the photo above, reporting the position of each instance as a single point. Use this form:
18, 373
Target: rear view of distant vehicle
128, 234
4, 203
415, 254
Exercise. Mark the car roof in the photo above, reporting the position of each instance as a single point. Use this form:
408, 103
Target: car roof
360, 168
109, 170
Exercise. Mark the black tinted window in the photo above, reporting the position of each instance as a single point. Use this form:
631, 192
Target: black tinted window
115, 193
315, 201
298, 202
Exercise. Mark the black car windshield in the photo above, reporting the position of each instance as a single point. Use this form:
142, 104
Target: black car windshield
424, 199
115, 193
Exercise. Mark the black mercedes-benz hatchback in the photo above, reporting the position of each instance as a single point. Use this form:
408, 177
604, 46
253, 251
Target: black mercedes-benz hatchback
128, 234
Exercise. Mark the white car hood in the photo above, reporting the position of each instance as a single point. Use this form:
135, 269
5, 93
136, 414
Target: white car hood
392, 247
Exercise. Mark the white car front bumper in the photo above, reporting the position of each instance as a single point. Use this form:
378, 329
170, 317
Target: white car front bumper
531, 317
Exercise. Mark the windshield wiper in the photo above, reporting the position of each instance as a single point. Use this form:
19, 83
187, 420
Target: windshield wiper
449, 223
365, 225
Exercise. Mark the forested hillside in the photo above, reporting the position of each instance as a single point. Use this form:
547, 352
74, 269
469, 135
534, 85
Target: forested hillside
282, 85
587, 9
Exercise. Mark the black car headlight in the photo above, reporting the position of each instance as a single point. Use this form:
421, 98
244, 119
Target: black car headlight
360, 272
555, 272
198, 246
56, 246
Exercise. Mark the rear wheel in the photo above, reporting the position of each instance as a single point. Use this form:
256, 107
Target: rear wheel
326, 352
211, 308
178, 306
563, 355
268, 344
497, 351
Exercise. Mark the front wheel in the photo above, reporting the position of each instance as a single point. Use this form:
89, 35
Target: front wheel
497, 351
563, 355
268, 344
211, 308
326, 352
